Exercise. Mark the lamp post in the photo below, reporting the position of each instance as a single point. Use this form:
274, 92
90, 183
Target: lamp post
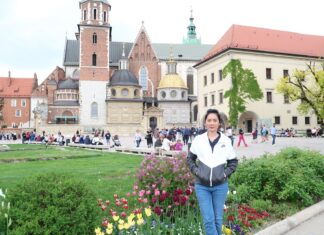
152, 90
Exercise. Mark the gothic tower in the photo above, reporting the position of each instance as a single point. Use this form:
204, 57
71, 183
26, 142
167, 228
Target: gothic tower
94, 37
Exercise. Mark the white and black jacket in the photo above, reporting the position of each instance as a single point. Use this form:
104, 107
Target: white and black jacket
213, 166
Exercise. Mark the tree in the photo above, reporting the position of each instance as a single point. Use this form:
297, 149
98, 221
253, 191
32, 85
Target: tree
307, 86
244, 87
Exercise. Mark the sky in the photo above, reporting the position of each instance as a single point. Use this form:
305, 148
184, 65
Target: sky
33, 32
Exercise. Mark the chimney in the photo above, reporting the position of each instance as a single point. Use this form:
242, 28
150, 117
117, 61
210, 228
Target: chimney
35, 83
9, 78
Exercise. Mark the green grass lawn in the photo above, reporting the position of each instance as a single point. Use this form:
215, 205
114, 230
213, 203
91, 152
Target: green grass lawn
26, 152
106, 173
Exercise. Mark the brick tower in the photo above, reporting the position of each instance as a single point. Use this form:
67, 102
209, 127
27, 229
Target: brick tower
94, 36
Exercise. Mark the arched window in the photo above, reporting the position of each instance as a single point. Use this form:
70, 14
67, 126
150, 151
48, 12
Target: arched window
94, 110
105, 16
94, 14
143, 76
94, 38
94, 59
190, 81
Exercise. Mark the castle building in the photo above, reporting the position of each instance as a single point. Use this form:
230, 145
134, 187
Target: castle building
271, 55
114, 85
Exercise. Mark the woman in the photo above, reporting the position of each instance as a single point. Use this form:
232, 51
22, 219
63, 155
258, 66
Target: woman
217, 161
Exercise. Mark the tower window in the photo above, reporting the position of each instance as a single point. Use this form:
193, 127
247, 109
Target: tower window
94, 14
190, 81
84, 14
105, 16
94, 38
94, 59
94, 109
143, 78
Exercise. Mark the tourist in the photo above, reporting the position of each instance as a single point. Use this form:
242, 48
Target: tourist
149, 139
273, 133
178, 145
138, 138
241, 138
217, 161
255, 136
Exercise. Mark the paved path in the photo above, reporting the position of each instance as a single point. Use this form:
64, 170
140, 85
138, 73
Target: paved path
314, 226
256, 149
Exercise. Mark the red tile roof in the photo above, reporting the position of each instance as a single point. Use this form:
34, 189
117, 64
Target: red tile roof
268, 40
19, 87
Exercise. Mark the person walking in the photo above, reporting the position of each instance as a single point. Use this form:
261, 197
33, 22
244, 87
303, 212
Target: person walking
273, 133
217, 161
241, 138
138, 138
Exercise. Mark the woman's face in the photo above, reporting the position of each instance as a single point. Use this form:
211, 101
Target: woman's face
212, 122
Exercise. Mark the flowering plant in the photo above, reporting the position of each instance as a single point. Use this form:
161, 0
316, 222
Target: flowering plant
166, 173
146, 209
240, 218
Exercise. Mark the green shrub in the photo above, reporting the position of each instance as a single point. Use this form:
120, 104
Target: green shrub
293, 175
261, 205
52, 204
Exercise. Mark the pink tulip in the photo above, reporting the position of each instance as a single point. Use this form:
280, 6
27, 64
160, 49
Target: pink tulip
156, 192
141, 193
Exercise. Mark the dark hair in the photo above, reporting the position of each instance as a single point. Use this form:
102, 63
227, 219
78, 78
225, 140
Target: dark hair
214, 111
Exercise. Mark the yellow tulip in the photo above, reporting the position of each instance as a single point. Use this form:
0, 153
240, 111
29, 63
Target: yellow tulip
98, 231
109, 231
120, 226
127, 226
140, 221
110, 226
115, 217
139, 216
148, 212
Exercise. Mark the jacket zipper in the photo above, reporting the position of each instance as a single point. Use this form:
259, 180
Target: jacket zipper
210, 177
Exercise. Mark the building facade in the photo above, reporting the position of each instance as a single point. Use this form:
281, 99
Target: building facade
271, 55
15, 98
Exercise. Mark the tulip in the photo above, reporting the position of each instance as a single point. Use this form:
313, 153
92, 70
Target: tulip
123, 215
148, 212
140, 221
115, 196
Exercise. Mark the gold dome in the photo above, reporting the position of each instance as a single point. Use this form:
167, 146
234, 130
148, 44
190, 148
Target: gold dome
172, 81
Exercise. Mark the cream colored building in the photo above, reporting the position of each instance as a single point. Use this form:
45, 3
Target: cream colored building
270, 54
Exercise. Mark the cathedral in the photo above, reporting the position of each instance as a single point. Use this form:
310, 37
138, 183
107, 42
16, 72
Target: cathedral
120, 86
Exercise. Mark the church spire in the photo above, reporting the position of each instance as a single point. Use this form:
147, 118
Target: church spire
191, 34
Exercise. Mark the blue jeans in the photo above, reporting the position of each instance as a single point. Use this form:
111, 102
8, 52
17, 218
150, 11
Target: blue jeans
273, 139
211, 201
